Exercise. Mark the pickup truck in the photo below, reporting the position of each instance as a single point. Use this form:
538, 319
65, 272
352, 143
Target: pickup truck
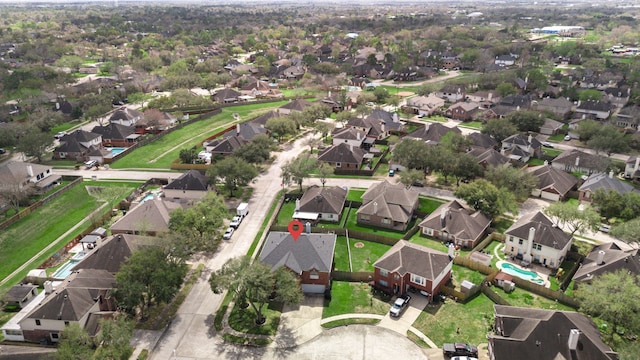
459, 349
235, 222
400, 305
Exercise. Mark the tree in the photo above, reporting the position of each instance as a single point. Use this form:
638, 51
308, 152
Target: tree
628, 231
519, 182
612, 296
484, 196
466, 168
257, 284
499, 129
114, 339
589, 95
587, 129
149, 275
504, 89
75, 344
526, 120
324, 171
281, 126
201, 223
612, 204
411, 154
410, 177
34, 143
609, 139
187, 156
298, 169
257, 150
381, 94
17, 193
570, 216
234, 171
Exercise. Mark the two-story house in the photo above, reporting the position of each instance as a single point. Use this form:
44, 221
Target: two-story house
465, 111
125, 116
453, 222
387, 205
77, 145
17, 175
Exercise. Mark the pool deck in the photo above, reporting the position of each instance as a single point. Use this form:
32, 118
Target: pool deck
543, 272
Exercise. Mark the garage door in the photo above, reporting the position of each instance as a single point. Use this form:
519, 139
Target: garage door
550, 196
313, 289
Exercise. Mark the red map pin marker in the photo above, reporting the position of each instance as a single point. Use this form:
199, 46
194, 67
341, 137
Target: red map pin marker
295, 229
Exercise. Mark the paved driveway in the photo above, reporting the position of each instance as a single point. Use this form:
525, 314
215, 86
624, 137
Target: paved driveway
402, 324
301, 322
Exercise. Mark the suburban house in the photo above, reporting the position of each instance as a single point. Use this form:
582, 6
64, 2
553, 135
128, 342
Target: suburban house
453, 222
574, 160
154, 121
112, 252
125, 116
408, 265
551, 127
607, 258
225, 146
350, 136
190, 186
536, 239
77, 145
632, 167
17, 175
600, 109
533, 334
617, 96
486, 99
147, 218
559, 107
321, 203
553, 184
310, 257
424, 105
297, 105
262, 119
247, 131
628, 117
226, 96
390, 120
520, 147
516, 102
431, 133
336, 102
343, 156
387, 205
83, 298
506, 60
489, 157
602, 181
116, 134
20, 295
374, 128
464, 111
483, 141
452, 93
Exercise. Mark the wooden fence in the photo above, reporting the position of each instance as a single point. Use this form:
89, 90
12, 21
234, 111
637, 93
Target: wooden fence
484, 243
494, 296
360, 172
28, 210
362, 276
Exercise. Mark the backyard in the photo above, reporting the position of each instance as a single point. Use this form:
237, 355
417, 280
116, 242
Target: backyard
162, 152
363, 253
524, 298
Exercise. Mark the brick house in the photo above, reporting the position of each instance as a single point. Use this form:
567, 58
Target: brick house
453, 222
387, 205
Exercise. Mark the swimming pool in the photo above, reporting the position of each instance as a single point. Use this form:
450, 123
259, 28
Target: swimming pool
66, 269
151, 195
523, 274
117, 150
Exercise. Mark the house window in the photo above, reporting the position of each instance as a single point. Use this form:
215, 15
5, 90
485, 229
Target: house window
386, 221
330, 216
314, 275
418, 280
510, 238
365, 217
520, 242
63, 155
383, 283
428, 231
384, 272
54, 335
396, 276
66, 323
38, 322
338, 164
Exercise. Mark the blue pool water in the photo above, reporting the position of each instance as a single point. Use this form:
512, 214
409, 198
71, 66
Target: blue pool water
150, 195
65, 270
117, 150
523, 274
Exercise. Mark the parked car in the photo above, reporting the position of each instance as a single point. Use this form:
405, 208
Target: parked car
60, 134
459, 349
228, 233
605, 228
418, 184
3, 151
89, 164
400, 305
567, 138
547, 144
235, 222
392, 172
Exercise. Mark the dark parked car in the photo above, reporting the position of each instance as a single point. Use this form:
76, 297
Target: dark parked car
459, 349
2, 151
400, 305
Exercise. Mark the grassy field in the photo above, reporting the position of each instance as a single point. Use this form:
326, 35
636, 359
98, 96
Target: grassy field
286, 213
353, 298
429, 205
355, 194
162, 152
472, 125
440, 322
24, 239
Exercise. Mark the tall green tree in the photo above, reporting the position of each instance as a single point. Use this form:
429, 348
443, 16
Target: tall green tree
298, 169
257, 150
499, 129
324, 171
114, 339
257, 284
233, 171
627, 231
281, 126
571, 217
411, 154
588, 129
526, 120
484, 196
150, 275
410, 177
75, 344
34, 143
609, 139
201, 224
612, 296
519, 182
612, 204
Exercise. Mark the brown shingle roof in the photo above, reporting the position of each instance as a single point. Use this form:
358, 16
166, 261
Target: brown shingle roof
151, 215
546, 233
342, 153
552, 178
310, 251
457, 221
392, 201
405, 257
323, 200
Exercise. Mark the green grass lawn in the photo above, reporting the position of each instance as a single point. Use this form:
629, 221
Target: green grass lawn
556, 138
491, 250
461, 273
355, 194
243, 320
429, 205
434, 244
435, 118
341, 255
353, 298
502, 224
440, 322
362, 258
286, 213
524, 298
162, 152
27, 237
535, 162
472, 125
551, 152
352, 224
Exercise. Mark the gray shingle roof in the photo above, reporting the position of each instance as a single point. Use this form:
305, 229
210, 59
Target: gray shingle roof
533, 334
616, 257
552, 178
113, 252
458, 221
342, 153
114, 131
482, 140
151, 215
585, 160
392, 201
604, 182
297, 105
488, 156
546, 233
14, 172
191, 180
247, 130
328, 200
309, 252
406, 257
432, 132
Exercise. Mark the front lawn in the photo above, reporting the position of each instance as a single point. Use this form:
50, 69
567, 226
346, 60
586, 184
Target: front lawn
551, 152
535, 162
473, 319
472, 125
353, 298
244, 320
355, 194
429, 205
162, 152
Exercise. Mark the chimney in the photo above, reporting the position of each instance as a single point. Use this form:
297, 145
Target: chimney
57, 105
30, 170
532, 234
443, 218
574, 336
307, 227
490, 96
357, 134
530, 138
451, 251
637, 166
577, 161
297, 204
48, 287
611, 174
600, 258
237, 129
546, 162
375, 207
